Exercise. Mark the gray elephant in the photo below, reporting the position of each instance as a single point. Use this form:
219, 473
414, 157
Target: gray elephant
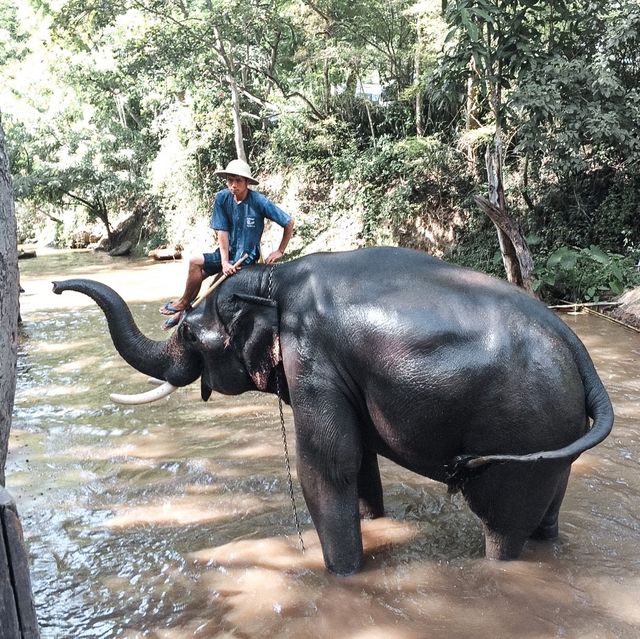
384, 351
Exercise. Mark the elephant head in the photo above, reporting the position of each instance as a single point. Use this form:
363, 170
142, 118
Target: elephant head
231, 342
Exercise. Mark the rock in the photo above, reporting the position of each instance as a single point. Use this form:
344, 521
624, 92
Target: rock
629, 309
122, 249
80, 239
163, 253
101, 245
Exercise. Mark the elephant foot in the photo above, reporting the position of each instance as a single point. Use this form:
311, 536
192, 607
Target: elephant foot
344, 567
545, 532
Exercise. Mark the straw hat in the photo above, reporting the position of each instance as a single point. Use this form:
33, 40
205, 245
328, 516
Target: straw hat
237, 167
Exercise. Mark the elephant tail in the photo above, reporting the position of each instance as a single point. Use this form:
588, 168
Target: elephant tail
598, 408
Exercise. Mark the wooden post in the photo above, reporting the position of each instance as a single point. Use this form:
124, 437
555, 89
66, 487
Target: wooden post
17, 609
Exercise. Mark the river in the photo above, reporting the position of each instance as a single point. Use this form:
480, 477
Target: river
174, 520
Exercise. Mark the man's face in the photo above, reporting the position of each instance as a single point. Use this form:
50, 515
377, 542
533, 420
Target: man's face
238, 186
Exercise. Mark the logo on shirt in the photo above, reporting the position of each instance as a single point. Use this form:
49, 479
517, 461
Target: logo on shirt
251, 222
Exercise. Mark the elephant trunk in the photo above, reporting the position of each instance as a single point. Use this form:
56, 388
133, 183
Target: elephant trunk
165, 360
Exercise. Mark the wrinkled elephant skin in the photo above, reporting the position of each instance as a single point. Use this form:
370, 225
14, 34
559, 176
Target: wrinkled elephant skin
452, 374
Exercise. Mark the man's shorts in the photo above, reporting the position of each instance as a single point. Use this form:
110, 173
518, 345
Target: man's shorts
213, 262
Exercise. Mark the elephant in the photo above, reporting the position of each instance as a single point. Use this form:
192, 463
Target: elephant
383, 351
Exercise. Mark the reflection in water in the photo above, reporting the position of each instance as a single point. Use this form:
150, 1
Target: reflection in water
173, 520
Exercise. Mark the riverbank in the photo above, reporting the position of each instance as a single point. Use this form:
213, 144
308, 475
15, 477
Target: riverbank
629, 310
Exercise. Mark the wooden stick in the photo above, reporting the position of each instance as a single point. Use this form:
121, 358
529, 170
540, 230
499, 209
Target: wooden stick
216, 283
584, 304
615, 320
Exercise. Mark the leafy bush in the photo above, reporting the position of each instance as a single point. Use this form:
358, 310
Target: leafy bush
411, 192
584, 275
296, 138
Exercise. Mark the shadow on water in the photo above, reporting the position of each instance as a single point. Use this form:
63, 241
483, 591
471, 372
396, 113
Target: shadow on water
173, 520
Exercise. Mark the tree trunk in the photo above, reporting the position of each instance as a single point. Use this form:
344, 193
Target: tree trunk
236, 112
9, 311
418, 73
516, 256
237, 119
17, 610
472, 121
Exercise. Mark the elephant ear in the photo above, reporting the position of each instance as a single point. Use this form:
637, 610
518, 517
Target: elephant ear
254, 332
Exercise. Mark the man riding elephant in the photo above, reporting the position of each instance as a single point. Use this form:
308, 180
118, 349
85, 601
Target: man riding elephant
237, 216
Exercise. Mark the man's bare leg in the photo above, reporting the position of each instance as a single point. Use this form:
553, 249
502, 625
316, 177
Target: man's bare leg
195, 277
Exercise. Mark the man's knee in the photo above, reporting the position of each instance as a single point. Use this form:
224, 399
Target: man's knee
197, 260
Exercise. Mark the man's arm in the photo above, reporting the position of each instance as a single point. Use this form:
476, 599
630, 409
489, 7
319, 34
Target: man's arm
287, 232
223, 242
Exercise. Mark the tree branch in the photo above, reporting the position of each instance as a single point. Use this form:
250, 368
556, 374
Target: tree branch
513, 233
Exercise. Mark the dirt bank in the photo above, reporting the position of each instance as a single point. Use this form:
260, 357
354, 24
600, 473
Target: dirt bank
629, 309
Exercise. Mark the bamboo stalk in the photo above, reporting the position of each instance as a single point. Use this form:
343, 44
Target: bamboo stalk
577, 305
589, 308
612, 319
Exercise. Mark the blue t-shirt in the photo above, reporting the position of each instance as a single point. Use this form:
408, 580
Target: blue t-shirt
244, 222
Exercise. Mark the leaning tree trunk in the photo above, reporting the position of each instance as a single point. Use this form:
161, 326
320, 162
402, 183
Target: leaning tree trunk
237, 120
9, 311
516, 256
417, 74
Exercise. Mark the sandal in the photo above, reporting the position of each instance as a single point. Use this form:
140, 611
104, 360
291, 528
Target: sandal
172, 321
169, 309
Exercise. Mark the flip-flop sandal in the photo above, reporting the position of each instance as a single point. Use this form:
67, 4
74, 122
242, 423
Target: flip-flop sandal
174, 320
169, 309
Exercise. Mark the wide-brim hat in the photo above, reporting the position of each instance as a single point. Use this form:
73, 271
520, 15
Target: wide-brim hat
237, 167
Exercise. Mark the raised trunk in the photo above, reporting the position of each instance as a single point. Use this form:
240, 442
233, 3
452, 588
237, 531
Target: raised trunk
164, 360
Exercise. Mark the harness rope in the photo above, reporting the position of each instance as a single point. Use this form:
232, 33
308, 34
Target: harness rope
282, 426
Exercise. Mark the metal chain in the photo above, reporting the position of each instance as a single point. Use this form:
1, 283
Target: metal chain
282, 426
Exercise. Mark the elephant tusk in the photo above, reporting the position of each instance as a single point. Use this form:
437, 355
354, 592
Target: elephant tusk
144, 398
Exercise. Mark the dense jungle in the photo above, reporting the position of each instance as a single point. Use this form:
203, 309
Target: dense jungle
499, 135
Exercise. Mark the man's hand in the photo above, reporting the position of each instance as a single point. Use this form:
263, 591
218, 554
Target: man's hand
274, 257
228, 268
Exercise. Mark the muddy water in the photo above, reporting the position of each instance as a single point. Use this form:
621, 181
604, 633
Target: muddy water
173, 520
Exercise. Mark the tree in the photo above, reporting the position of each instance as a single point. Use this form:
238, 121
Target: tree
9, 288
79, 129
503, 40
579, 108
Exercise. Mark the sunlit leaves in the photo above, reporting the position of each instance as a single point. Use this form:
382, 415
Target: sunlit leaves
587, 274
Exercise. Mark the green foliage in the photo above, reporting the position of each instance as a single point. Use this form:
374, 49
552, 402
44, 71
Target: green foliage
476, 243
597, 207
296, 138
402, 185
503, 37
110, 105
13, 38
584, 275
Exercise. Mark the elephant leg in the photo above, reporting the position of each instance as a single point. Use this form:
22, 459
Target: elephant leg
370, 487
328, 463
502, 546
334, 510
512, 500
548, 528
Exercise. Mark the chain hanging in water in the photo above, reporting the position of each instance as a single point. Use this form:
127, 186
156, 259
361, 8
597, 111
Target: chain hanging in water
282, 426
